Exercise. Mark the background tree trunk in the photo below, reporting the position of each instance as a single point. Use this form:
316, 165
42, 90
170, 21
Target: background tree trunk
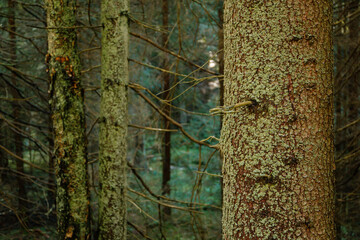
221, 72
16, 113
166, 142
114, 119
67, 104
278, 150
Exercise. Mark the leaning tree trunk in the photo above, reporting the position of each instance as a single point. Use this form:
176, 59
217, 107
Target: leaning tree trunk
278, 150
113, 121
67, 106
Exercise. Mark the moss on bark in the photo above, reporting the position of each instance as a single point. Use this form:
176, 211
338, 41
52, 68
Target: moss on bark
68, 118
278, 153
113, 121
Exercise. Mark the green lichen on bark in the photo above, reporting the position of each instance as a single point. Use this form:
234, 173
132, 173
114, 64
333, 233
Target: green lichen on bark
278, 153
68, 116
113, 120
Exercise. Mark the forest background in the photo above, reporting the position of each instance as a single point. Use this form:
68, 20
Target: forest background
182, 56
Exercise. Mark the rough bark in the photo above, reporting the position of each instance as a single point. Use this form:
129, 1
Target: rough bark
166, 141
114, 119
68, 119
278, 152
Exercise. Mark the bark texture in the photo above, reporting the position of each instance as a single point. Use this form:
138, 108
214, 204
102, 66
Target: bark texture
114, 119
278, 152
68, 119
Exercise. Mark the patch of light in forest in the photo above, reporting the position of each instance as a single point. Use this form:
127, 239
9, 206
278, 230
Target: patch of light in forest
214, 84
212, 63
202, 40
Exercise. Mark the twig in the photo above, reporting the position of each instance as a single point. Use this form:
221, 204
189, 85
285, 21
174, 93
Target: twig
348, 125
138, 230
162, 203
23, 160
208, 13
229, 109
146, 25
90, 69
136, 89
22, 223
161, 69
210, 174
163, 197
71, 27
27, 38
172, 53
140, 209
153, 129
169, 104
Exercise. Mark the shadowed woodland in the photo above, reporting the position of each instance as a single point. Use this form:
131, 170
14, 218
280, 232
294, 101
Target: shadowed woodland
176, 70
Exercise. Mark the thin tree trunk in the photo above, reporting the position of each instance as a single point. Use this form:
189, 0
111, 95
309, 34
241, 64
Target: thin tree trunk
114, 119
18, 139
221, 72
278, 150
67, 108
166, 142
221, 53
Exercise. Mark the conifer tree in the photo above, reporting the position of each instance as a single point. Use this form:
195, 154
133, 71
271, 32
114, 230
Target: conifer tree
68, 119
114, 119
277, 127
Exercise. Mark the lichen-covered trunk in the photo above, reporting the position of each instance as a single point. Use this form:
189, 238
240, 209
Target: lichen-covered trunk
278, 151
68, 119
114, 120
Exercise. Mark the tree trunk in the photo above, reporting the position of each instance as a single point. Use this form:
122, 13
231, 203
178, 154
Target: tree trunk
16, 113
221, 72
166, 141
114, 119
278, 150
221, 53
67, 107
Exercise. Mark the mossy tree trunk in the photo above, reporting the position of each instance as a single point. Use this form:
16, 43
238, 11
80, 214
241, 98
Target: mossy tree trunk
114, 120
68, 119
278, 151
